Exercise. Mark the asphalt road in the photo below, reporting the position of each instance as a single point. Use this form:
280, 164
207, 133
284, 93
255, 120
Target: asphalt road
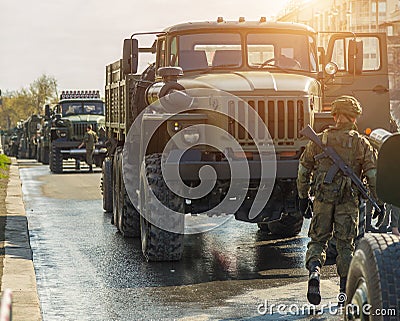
86, 270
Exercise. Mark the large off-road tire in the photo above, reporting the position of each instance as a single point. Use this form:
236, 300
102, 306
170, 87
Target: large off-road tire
116, 189
126, 217
56, 160
130, 219
374, 278
289, 225
159, 244
45, 155
107, 185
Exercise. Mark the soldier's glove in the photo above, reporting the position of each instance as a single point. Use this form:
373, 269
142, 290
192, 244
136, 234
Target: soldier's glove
306, 207
380, 215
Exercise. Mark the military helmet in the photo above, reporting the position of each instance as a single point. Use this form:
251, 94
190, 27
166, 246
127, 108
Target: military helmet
347, 105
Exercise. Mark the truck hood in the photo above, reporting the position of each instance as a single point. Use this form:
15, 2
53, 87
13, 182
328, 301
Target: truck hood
85, 118
251, 81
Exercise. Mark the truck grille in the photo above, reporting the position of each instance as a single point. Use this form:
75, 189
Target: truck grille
283, 117
80, 128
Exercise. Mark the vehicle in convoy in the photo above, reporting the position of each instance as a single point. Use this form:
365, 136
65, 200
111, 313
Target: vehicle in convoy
372, 284
43, 145
29, 137
11, 140
274, 69
66, 125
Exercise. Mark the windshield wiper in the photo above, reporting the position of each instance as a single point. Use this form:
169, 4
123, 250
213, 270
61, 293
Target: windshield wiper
261, 66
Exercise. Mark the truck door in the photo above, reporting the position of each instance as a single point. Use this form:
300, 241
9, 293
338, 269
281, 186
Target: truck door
363, 73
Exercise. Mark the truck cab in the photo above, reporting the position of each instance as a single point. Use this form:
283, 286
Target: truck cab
257, 82
67, 123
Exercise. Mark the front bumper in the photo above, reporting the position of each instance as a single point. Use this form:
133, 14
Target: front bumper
189, 168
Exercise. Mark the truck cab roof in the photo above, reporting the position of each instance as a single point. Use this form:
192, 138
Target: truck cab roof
229, 25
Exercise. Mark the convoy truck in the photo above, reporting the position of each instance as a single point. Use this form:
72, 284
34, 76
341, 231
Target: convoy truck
28, 142
43, 145
66, 125
273, 69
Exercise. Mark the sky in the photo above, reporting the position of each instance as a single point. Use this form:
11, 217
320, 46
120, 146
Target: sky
73, 40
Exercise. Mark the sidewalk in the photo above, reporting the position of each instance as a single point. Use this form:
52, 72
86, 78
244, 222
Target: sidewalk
18, 270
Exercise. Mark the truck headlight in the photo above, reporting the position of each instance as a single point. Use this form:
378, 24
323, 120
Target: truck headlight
191, 136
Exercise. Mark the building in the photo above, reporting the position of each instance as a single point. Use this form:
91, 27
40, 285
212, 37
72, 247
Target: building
355, 16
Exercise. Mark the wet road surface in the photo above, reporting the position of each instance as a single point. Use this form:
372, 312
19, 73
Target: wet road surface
86, 270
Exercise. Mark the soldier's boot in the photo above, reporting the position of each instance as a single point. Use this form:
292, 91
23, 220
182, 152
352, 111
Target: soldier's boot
313, 292
342, 290
90, 168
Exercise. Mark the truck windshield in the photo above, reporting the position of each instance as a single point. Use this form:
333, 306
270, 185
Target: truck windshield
81, 108
205, 51
209, 50
283, 51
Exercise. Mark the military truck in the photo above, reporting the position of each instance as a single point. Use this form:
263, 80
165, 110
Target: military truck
13, 140
29, 137
43, 146
66, 125
273, 69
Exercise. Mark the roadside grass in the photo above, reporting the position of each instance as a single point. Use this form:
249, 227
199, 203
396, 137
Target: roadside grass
4, 170
4, 166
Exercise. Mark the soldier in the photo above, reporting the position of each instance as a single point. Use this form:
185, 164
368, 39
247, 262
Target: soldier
89, 140
336, 205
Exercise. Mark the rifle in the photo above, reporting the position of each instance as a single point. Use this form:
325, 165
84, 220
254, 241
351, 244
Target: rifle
338, 164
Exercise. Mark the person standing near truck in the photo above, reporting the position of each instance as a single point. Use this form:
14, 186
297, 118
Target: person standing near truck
89, 140
336, 204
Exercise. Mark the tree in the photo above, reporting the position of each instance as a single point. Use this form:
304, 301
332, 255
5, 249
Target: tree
19, 105
43, 90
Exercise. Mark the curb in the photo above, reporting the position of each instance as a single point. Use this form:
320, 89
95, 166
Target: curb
18, 271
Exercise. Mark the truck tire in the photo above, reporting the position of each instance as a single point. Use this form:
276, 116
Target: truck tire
45, 155
125, 215
116, 190
130, 218
159, 244
107, 185
289, 225
374, 277
56, 160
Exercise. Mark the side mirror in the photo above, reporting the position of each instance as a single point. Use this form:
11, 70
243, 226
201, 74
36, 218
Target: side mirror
355, 57
331, 68
130, 56
47, 111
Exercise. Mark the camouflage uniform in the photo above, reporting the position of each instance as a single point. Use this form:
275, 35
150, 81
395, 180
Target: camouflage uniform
90, 139
336, 205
